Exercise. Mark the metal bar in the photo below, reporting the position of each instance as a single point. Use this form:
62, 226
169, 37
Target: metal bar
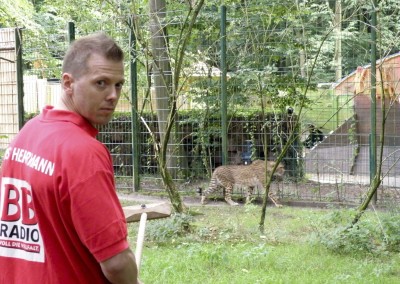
20, 77
134, 102
71, 32
373, 96
224, 108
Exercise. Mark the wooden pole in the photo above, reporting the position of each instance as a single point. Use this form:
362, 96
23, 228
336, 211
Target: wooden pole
140, 240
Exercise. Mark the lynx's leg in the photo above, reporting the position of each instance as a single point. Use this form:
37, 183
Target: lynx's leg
270, 196
249, 194
273, 200
204, 196
203, 199
213, 186
228, 195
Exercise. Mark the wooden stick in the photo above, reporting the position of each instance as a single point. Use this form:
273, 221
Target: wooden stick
144, 212
140, 239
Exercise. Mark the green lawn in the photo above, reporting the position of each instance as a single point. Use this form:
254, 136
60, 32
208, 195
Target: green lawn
224, 245
327, 111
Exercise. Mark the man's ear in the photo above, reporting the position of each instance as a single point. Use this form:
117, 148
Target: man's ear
67, 82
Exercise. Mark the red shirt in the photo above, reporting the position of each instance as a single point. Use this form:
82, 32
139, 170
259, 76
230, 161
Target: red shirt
59, 212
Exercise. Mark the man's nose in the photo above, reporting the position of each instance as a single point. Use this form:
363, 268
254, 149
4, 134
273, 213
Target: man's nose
114, 94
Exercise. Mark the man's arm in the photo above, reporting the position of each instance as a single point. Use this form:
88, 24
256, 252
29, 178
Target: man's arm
121, 268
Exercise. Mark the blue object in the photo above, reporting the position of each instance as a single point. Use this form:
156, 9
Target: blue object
246, 154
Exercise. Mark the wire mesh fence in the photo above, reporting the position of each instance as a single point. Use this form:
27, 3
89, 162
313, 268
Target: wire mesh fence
287, 71
8, 82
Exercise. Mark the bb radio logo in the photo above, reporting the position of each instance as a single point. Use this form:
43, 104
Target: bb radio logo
20, 236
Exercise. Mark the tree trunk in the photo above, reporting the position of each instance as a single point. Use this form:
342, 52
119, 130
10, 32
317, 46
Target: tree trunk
173, 193
162, 79
165, 93
338, 40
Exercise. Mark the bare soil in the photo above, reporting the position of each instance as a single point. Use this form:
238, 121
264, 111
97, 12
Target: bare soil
308, 194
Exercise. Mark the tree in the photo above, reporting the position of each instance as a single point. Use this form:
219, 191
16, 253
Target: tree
337, 23
167, 86
18, 13
162, 81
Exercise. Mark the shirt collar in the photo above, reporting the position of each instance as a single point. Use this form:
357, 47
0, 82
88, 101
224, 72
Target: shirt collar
49, 113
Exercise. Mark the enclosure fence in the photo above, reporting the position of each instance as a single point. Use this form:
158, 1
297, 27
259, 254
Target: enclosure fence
275, 76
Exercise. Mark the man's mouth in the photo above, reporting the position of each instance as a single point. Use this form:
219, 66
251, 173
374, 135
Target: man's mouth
108, 110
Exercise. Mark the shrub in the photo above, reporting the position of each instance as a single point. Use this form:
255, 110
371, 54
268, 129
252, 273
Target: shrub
167, 229
372, 234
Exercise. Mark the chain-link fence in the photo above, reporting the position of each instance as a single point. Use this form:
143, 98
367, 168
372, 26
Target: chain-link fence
282, 70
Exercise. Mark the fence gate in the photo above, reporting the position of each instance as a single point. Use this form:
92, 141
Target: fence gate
9, 121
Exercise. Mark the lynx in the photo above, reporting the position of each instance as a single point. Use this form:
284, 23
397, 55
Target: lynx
248, 176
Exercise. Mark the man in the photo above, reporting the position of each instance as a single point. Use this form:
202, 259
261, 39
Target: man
61, 220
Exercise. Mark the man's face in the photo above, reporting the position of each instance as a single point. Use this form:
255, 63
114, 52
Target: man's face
95, 94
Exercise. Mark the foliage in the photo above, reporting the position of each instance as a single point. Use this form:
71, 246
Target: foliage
283, 30
17, 13
175, 226
391, 233
373, 234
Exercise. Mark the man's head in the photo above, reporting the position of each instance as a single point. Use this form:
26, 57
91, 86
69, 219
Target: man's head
79, 52
92, 79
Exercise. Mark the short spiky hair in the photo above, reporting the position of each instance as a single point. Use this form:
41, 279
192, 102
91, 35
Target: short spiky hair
80, 50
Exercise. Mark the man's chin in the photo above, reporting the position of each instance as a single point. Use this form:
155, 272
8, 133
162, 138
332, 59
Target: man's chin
102, 121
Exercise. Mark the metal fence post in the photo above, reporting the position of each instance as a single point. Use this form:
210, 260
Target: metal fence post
20, 77
337, 111
71, 32
372, 143
134, 101
224, 122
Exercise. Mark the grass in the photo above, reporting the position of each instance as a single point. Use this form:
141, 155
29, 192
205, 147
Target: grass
225, 246
327, 110
262, 263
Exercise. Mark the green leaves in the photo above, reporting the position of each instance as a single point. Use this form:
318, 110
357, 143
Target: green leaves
17, 13
374, 234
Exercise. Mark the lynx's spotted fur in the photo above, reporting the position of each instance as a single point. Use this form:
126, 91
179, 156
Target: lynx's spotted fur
248, 176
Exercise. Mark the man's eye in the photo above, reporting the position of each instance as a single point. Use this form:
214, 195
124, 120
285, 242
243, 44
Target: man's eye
101, 83
119, 85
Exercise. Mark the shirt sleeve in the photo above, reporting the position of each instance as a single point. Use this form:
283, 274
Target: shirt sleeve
98, 217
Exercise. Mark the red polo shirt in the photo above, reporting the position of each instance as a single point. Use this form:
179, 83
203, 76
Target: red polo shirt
60, 215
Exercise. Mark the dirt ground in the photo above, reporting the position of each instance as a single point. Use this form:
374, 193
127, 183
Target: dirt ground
307, 194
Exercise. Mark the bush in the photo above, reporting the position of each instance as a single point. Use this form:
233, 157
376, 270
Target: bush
370, 235
391, 232
167, 229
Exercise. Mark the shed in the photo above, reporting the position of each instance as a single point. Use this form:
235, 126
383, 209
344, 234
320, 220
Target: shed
358, 82
349, 143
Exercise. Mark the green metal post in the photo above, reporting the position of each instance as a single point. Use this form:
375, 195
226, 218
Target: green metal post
134, 112
20, 77
71, 32
337, 111
224, 108
373, 96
